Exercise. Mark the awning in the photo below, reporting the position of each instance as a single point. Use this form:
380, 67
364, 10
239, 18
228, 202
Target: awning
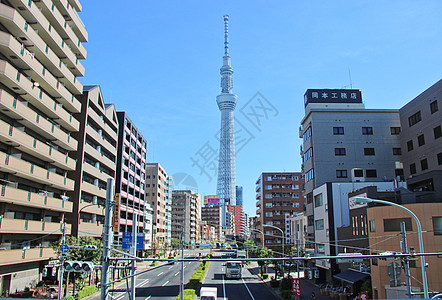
351, 276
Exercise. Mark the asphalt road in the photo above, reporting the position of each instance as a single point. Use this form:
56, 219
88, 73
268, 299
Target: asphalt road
248, 287
162, 283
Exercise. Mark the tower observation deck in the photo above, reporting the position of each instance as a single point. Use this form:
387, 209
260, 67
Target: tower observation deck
226, 185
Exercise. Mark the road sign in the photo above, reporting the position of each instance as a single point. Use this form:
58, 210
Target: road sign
140, 241
296, 287
64, 249
363, 296
394, 270
127, 240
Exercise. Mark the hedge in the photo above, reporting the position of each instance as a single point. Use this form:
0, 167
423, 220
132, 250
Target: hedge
87, 291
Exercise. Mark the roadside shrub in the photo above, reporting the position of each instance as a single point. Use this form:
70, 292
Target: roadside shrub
70, 297
286, 283
86, 291
265, 276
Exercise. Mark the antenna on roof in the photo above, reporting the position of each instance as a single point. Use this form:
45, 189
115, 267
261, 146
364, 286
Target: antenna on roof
349, 75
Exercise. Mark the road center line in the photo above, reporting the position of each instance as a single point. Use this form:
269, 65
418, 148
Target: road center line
160, 274
165, 283
247, 289
176, 273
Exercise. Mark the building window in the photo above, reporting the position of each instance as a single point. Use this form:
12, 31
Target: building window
268, 187
318, 200
433, 107
268, 178
368, 151
415, 118
295, 178
319, 224
371, 173
338, 130
367, 130
413, 168
307, 134
410, 145
308, 154
437, 132
395, 130
439, 158
341, 173
320, 248
339, 151
268, 196
437, 225
309, 175
269, 214
397, 151
372, 226
424, 164
421, 140
268, 205
395, 224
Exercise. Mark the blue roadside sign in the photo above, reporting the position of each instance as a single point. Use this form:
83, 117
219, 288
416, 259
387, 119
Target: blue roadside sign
64, 249
127, 240
140, 241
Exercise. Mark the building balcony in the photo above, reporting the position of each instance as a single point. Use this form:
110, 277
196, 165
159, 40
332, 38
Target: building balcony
93, 189
34, 69
90, 229
93, 171
65, 8
23, 169
15, 24
91, 208
57, 20
28, 117
99, 157
51, 37
19, 139
21, 197
31, 227
17, 82
19, 256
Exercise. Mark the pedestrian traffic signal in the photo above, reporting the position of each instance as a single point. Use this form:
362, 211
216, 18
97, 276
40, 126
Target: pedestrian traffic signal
90, 247
78, 266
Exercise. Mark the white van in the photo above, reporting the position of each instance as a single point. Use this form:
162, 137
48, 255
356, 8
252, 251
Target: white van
208, 293
233, 269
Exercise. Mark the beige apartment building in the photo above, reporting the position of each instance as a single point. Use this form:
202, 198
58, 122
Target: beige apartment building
41, 45
186, 214
158, 195
96, 162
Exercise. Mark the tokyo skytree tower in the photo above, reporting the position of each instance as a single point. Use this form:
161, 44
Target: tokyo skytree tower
226, 101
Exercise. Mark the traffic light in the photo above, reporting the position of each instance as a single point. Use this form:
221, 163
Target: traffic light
90, 247
78, 266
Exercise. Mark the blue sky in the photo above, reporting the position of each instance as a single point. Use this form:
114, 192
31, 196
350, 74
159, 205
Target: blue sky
159, 61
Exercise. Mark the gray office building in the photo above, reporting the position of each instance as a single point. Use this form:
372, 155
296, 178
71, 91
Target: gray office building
344, 142
421, 143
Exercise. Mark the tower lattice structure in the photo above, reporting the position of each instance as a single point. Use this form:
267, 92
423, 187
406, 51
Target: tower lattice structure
226, 187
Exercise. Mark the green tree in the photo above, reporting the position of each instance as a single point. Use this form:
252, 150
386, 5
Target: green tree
176, 244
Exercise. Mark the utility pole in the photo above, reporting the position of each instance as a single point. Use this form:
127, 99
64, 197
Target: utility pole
405, 260
133, 250
182, 265
60, 276
107, 242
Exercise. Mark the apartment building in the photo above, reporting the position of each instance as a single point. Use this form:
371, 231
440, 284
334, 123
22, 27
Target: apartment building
344, 142
278, 194
41, 48
212, 215
421, 142
96, 162
238, 220
186, 216
130, 177
158, 195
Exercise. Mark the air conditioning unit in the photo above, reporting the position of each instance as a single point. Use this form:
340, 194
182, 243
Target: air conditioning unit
357, 175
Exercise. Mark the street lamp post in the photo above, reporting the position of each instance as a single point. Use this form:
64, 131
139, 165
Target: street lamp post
283, 238
362, 200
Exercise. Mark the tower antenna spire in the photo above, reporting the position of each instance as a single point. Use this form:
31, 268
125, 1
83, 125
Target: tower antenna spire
226, 35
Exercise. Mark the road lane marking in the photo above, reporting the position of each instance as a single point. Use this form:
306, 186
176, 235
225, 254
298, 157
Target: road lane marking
148, 298
247, 288
224, 289
184, 267
170, 267
176, 273
143, 282
160, 274
165, 283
